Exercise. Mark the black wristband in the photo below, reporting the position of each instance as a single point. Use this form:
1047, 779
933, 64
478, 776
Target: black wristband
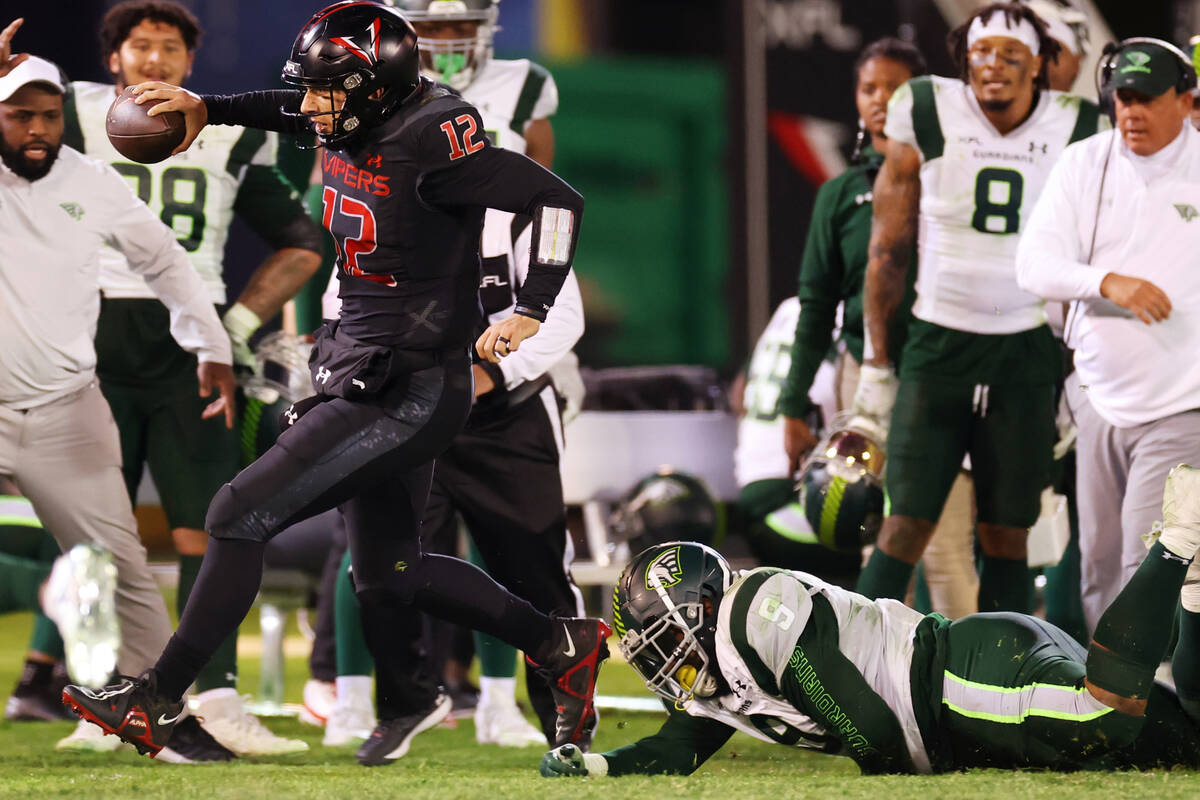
526, 311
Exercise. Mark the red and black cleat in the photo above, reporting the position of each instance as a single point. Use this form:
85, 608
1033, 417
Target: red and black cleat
571, 669
129, 709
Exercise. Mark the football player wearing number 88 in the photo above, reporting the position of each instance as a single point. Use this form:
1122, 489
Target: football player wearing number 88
147, 379
966, 159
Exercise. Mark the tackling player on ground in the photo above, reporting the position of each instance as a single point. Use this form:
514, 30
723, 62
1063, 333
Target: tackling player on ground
788, 658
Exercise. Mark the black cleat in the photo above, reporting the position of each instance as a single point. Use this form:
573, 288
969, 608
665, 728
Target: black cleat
131, 709
580, 645
191, 744
391, 737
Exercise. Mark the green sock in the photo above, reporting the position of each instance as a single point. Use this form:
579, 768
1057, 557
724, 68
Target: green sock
45, 638
1004, 584
1186, 663
20, 579
884, 576
353, 657
1131, 637
221, 670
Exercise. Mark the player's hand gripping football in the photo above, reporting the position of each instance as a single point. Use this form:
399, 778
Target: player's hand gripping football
8, 61
505, 337
175, 98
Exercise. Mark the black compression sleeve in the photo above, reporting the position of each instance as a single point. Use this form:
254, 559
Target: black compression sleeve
257, 110
681, 745
497, 178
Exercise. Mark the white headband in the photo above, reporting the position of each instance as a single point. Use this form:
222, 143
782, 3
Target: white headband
1062, 32
997, 25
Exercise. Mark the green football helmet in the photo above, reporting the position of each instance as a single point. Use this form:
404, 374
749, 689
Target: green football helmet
455, 62
665, 613
841, 485
667, 506
281, 378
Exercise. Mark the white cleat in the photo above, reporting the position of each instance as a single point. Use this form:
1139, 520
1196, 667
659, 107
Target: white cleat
504, 725
319, 700
80, 598
223, 714
350, 723
89, 738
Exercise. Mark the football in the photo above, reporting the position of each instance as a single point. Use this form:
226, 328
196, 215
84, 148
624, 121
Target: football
138, 136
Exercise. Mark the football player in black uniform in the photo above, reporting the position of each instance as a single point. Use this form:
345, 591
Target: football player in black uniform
408, 175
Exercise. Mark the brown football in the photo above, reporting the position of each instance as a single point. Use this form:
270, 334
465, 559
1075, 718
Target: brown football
139, 137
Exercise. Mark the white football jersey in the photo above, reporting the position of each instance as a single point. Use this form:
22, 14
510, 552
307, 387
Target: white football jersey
193, 192
510, 95
760, 454
875, 635
977, 188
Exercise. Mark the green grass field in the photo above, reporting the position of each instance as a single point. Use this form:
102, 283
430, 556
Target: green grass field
446, 763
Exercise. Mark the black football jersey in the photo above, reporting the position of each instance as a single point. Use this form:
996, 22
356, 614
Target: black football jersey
405, 207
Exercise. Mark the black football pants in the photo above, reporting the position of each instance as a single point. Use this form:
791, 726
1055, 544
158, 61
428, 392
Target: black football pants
501, 474
374, 463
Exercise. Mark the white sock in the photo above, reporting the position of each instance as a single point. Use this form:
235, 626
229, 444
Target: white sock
351, 688
216, 694
499, 691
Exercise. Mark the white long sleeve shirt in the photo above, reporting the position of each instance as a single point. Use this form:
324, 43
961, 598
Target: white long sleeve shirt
1147, 225
51, 233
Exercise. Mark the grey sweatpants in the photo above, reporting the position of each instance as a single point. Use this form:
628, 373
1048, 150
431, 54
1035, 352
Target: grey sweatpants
1120, 477
66, 458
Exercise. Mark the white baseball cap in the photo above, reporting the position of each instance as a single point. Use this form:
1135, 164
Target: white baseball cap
31, 70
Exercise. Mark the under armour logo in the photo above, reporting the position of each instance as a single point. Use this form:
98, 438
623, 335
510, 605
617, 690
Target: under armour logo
375, 161
425, 318
1033, 147
291, 415
359, 384
1187, 211
323, 375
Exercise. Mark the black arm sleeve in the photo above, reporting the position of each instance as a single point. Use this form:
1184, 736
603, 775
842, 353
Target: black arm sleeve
273, 210
681, 745
497, 178
264, 110
824, 684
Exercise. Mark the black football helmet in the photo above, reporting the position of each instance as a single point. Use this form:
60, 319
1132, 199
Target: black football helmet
358, 47
665, 613
666, 506
841, 485
455, 62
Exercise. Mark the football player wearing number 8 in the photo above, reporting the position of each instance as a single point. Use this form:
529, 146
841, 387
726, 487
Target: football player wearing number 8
965, 161
786, 657
408, 176
148, 380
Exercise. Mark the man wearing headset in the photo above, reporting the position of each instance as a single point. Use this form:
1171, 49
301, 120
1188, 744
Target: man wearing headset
1115, 232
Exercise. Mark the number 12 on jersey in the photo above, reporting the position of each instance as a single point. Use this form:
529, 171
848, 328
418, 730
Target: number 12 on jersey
349, 248
464, 143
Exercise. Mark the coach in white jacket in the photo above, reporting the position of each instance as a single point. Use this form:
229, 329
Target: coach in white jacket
58, 440
1117, 232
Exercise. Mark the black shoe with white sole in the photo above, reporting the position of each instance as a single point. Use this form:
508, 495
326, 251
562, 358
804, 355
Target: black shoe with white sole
391, 737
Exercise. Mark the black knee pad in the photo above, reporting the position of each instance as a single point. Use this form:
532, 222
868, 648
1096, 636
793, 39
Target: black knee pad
227, 519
